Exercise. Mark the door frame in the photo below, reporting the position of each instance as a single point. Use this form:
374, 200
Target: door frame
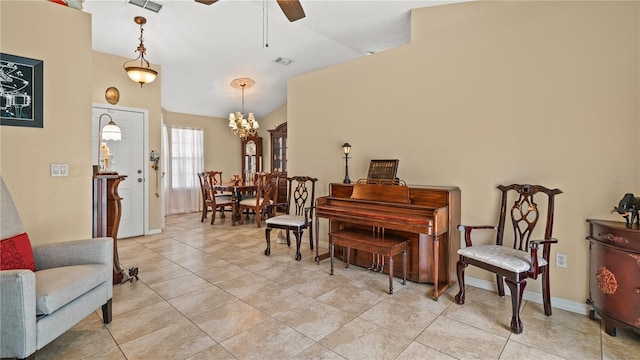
145, 156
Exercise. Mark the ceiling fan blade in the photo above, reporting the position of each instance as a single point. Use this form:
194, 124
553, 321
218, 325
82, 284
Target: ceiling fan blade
206, 2
291, 9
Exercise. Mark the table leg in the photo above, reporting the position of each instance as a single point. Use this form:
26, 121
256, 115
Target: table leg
235, 208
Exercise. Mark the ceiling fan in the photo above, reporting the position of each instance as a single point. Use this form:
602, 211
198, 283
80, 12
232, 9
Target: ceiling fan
291, 8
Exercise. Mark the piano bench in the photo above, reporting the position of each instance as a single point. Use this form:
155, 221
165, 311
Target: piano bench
385, 245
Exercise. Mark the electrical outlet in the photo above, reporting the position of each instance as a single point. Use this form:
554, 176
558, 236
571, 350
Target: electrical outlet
561, 260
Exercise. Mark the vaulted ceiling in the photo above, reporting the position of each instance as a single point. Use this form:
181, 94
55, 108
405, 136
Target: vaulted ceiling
202, 48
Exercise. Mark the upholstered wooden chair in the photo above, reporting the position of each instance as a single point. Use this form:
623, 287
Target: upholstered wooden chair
521, 261
205, 193
261, 203
209, 198
298, 215
215, 178
223, 201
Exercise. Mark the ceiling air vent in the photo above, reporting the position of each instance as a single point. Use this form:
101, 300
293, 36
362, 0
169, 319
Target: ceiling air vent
146, 4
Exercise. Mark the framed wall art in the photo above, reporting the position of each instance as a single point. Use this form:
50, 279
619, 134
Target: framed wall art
21, 94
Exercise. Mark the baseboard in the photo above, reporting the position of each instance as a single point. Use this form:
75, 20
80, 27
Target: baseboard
154, 232
564, 304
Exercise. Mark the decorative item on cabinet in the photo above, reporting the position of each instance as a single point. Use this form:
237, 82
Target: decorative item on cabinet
347, 149
251, 157
628, 207
111, 131
614, 274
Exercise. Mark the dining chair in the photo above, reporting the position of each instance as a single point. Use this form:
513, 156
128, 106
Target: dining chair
219, 201
261, 203
205, 192
298, 213
216, 179
521, 261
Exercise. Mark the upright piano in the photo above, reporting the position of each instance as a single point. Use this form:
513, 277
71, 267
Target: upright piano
427, 215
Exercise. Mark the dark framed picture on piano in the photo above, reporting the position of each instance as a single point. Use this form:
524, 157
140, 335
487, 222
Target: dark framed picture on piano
382, 171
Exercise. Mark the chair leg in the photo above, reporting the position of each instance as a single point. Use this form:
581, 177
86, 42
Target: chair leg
311, 236
267, 235
288, 238
517, 288
500, 284
213, 215
204, 213
106, 311
298, 235
460, 267
546, 292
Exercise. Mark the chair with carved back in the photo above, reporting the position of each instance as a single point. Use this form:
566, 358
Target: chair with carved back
522, 260
261, 203
215, 178
205, 191
220, 201
298, 215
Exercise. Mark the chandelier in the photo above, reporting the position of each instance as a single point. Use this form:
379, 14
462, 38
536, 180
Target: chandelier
238, 124
139, 69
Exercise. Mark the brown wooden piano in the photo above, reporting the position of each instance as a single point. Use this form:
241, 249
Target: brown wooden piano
426, 215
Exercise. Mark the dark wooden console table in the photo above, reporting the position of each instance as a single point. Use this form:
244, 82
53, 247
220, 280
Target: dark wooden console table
614, 274
107, 210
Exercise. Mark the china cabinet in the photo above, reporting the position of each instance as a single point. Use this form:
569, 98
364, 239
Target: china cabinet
251, 157
279, 161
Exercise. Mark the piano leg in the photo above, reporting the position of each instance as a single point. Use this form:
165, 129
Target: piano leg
404, 265
348, 254
331, 253
391, 275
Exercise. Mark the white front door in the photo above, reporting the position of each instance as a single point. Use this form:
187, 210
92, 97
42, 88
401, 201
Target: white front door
128, 159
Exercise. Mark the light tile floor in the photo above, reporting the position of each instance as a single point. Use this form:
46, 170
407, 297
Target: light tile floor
209, 292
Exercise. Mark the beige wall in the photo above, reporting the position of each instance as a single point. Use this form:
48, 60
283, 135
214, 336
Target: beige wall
61, 37
74, 78
107, 72
490, 93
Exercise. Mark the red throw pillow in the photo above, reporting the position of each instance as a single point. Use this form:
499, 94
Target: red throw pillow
61, 2
16, 253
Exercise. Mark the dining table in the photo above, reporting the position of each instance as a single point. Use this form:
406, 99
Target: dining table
237, 190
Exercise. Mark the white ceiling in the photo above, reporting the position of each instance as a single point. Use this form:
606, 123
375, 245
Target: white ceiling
202, 48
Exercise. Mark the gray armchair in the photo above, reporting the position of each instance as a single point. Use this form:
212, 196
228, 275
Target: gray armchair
72, 280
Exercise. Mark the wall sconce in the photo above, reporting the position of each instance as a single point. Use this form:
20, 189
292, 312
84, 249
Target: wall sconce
111, 131
347, 149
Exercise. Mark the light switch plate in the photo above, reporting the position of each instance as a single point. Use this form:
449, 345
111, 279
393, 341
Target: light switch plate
59, 170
